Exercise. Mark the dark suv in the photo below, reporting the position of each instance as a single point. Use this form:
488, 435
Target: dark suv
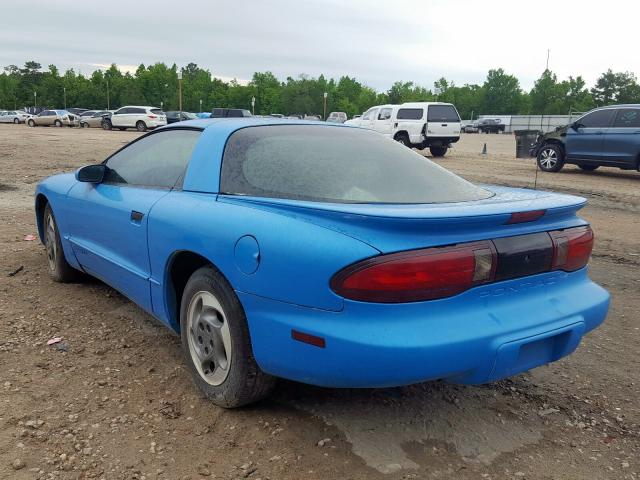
607, 137
489, 125
230, 112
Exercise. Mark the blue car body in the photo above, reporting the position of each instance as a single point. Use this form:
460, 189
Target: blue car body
279, 256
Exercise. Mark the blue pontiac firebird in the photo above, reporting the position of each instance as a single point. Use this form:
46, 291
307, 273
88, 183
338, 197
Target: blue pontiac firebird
325, 254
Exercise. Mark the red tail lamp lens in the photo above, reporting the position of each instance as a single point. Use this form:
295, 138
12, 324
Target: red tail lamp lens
522, 217
571, 248
417, 275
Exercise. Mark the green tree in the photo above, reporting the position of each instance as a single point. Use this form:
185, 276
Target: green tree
502, 93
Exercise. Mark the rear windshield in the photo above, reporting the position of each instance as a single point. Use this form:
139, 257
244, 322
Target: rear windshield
157, 111
442, 113
335, 164
410, 114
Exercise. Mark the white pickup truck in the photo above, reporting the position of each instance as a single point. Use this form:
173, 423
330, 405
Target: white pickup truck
416, 124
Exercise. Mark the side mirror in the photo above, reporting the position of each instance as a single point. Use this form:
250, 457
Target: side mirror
576, 125
91, 173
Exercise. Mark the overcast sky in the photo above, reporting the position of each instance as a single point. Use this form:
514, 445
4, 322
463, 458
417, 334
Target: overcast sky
378, 42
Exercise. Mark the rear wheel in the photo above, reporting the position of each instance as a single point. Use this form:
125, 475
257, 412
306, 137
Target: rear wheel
16, 121
216, 342
31, 123
83, 125
57, 123
59, 268
438, 151
551, 158
403, 139
589, 168
141, 126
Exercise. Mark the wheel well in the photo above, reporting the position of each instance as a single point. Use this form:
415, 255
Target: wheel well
555, 142
401, 133
181, 266
41, 203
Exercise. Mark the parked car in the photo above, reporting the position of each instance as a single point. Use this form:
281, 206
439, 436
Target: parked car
312, 117
13, 116
175, 116
203, 114
95, 120
139, 117
337, 117
217, 228
604, 137
230, 112
489, 125
471, 127
55, 118
77, 111
417, 124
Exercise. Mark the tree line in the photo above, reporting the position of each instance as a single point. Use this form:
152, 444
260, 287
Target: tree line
157, 85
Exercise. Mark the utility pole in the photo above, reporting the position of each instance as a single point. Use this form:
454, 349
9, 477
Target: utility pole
324, 108
108, 103
64, 89
200, 105
548, 52
253, 105
180, 90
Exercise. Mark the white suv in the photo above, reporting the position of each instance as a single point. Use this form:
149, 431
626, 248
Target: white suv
417, 124
140, 118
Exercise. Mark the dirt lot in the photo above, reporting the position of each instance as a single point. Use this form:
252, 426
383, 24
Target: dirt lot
115, 401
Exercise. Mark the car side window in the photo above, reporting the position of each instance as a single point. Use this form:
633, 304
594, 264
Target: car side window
597, 119
385, 114
137, 110
367, 115
627, 117
410, 114
156, 160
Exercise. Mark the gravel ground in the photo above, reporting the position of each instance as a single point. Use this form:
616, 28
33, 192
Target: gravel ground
114, 401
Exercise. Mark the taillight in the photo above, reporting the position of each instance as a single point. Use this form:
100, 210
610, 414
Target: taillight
417, 275
440, 272
152, 116
571, 248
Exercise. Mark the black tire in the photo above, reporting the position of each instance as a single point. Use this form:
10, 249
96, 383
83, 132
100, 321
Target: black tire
83, 125
141, 126
106, 125
31, 123
59, 268
57, 123
589, 168
438, 151
16, 121
550, 158
403, 139
244, 382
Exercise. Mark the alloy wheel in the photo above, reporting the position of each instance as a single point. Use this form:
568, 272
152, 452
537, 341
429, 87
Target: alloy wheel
548, 158
209, 338
50, 241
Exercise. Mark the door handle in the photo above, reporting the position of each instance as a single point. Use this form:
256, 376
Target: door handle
444, 125
136, 216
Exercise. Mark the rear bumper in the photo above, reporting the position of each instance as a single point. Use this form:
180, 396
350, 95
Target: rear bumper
480, 336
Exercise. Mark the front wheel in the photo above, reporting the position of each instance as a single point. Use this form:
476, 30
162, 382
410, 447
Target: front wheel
106, 125
141, 126
31, 123
216, 343
59, 268
550, 158
16, 121
438, 151
57, 123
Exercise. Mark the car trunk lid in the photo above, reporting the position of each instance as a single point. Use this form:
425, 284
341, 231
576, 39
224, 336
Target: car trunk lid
394, 227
